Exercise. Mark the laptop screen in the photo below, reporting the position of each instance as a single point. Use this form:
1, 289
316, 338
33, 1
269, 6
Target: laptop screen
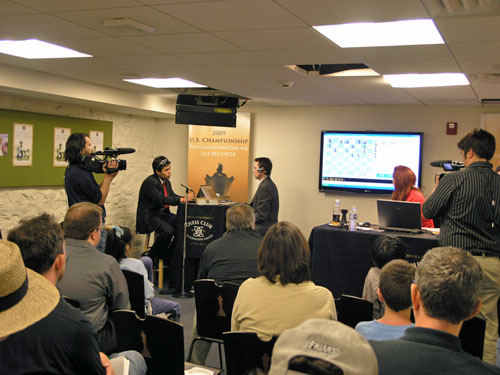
208, 191
398, 214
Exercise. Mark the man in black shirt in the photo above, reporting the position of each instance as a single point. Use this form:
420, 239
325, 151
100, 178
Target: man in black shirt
468, 205
79, 183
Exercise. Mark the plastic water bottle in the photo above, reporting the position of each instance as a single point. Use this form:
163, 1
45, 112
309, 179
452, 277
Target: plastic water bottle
353, 218
336, 211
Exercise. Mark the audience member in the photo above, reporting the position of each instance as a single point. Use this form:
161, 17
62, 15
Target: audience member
92, 278
233, 257
283, 296
41, 241
445, 293
322, 347
394, 291
404, 181
385, 249
118, 245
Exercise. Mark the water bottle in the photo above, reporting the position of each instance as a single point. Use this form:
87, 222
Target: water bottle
353, 218
336, 211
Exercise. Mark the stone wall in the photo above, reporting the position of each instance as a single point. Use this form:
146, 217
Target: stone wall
142, 133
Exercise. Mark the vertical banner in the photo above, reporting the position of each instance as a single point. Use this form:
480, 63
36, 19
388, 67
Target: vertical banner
218, 156
23, 145
60, 137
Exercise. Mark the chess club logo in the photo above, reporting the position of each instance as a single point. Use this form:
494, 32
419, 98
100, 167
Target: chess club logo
199, 230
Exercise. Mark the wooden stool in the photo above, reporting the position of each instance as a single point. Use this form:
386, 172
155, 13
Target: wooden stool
161, 266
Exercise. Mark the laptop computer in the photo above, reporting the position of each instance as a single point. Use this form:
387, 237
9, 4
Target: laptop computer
207, 191
399, 216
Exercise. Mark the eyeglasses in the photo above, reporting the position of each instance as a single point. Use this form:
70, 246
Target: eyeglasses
163, 162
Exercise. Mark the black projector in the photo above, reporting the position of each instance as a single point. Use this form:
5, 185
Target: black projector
206, 110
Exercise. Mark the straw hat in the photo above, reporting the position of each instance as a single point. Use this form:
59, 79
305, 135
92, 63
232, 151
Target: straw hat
25, 296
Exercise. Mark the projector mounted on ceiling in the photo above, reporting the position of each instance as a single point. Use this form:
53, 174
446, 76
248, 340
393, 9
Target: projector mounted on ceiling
206, 110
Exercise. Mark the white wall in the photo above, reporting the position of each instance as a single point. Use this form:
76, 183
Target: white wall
289, 136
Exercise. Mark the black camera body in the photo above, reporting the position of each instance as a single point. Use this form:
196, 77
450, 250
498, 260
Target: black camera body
448, 166
94, 164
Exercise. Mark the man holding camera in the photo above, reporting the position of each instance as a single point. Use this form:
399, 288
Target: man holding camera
79, 183
468, 205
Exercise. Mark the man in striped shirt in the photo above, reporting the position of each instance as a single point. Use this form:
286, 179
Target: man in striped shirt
467, 203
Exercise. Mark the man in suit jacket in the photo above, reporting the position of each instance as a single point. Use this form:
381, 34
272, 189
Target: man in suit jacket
266, 201
153, 211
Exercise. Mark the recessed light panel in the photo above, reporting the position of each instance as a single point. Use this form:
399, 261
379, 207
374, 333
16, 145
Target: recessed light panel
164, 83
37, 49
427, 80
382, 34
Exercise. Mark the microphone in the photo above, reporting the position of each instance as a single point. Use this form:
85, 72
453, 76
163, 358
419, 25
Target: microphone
187, 187
440, 163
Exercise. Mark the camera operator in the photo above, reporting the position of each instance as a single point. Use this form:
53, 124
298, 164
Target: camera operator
79, 183
468, 204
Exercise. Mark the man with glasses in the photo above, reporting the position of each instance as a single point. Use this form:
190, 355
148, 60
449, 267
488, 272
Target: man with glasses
92, 279
153, 213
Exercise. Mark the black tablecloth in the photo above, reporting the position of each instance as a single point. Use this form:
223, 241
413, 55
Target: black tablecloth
341, 258
204, 224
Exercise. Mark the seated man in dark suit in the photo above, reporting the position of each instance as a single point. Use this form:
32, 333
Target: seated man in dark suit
445, 293
265, 202
153, 212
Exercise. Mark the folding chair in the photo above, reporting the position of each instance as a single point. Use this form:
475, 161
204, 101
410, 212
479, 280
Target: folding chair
128, 329
351, 310
472, 336
246, 353
165, 343
135, 284
214, 306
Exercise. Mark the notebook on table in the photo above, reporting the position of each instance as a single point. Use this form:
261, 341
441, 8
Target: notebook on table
399, 216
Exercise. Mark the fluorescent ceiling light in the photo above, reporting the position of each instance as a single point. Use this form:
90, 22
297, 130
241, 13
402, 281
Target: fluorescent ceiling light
164, 83
427, 80
354, 73
380, 34
37, 49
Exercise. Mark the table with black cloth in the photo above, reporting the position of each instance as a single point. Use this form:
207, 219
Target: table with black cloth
341, 258
205, 223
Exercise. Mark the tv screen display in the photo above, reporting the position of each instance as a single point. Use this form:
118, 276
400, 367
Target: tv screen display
364, 161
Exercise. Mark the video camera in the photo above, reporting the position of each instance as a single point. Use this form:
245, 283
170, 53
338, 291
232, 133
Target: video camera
93, 163
447, 165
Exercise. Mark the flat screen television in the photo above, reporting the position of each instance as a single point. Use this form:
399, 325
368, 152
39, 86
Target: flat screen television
363, 162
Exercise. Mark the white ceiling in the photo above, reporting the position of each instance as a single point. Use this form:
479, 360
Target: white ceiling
242, 46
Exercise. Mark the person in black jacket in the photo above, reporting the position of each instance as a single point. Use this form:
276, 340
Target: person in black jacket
153, 211
265, 202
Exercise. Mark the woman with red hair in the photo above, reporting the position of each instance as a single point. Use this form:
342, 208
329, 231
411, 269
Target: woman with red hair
405, 190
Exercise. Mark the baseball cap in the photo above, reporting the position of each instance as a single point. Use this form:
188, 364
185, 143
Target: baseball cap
326, 340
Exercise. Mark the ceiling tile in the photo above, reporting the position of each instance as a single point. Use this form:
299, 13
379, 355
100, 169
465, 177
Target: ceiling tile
99, 47
44, 27
326, 12
162, 23
65, 5
470, 28
10, 8
276, 39
233, 15
476, 51
184, 43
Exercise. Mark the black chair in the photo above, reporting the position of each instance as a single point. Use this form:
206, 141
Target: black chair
135, 284
351, 310
165, 343
472, 336
245, 352
128, 328
214, 306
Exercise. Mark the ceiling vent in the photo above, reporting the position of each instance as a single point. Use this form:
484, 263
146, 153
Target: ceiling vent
490, 102
334, 70
457, 7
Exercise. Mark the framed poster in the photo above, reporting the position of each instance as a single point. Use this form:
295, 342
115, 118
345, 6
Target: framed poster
60, 137
23, 145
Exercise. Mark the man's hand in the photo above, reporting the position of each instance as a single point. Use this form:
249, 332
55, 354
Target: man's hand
106, 364
191, 196
110, 164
